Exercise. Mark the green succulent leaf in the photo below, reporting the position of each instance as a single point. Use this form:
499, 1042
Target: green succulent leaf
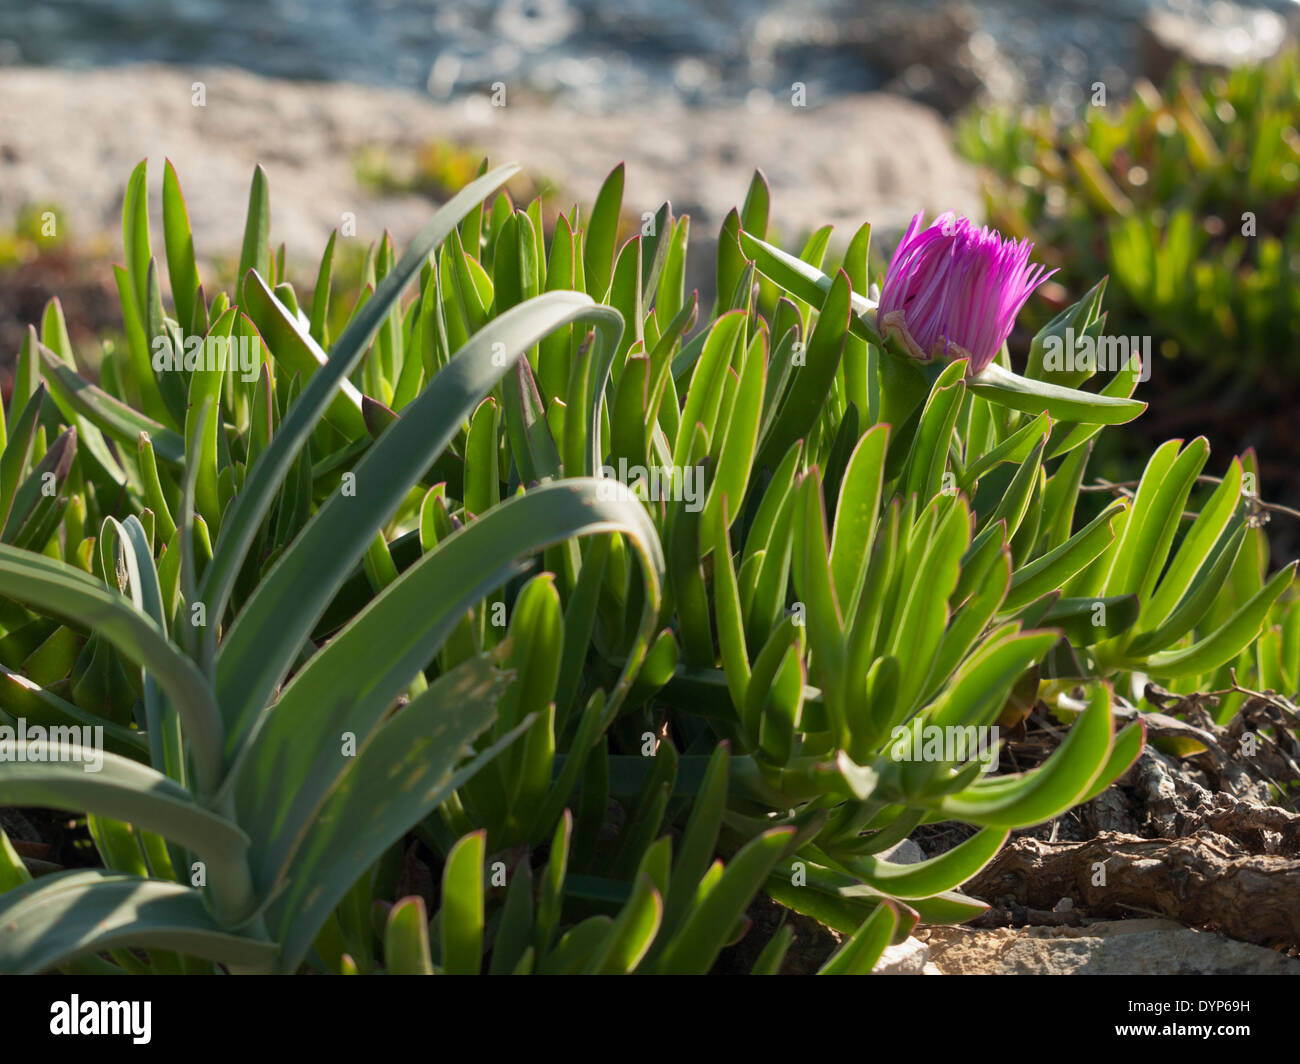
55, 918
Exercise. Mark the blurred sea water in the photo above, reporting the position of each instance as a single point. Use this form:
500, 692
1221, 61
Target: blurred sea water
599, 55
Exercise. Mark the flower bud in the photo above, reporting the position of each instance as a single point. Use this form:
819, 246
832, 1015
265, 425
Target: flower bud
953, 291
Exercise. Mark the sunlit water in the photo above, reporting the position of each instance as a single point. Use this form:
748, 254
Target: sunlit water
598, 54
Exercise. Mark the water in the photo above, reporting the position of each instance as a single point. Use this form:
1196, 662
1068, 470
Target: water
596, 54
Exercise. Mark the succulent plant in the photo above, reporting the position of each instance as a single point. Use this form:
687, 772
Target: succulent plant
328, 594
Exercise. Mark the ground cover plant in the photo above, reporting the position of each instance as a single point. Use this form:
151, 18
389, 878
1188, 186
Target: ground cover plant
623, 610
1184, 195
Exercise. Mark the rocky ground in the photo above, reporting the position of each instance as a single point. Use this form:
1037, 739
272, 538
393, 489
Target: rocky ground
1189, 864
1124, 947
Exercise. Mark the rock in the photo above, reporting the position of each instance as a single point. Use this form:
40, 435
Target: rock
906, 852
1235, 36
908, 957
71, 138
1124, 947
939, 57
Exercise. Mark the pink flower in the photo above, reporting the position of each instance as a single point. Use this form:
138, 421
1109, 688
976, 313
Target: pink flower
954, 290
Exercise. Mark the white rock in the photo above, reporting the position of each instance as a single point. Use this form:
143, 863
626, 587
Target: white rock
906, 852
1119, 947
909, 957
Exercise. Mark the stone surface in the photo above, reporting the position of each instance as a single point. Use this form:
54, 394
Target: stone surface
1124, 947
71, 138
908, 957
906, 852
940, 57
